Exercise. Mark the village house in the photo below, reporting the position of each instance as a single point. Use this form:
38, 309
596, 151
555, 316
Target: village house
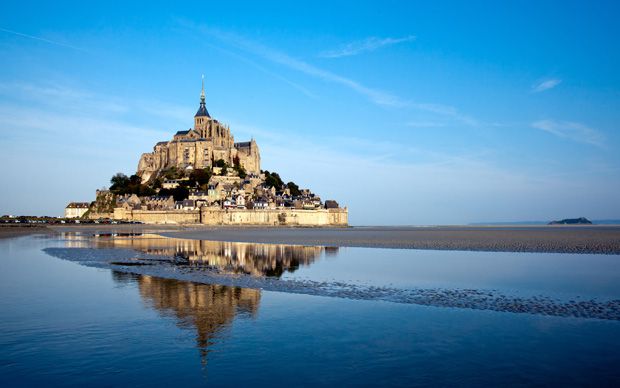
76, 209
186, 204
199, 195
212, 194
240, 201
158, 202
173, 183
260, 204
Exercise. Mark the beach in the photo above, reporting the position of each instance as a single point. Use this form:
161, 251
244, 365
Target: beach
597, 239
9, 231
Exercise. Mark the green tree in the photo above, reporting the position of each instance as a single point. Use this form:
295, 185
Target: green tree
180, 193
172, 173
120, 182
135, 180
200, 176
273, 180
294, 189
165, 192
146, 191
242, 173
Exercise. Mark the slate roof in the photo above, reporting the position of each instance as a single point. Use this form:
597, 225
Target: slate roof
202, 111
78, 205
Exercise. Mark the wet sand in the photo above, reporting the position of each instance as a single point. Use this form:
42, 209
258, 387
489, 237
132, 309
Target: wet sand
168, 267
9, 231
560, 239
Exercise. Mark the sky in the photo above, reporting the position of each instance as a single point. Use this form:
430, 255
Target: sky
408, 113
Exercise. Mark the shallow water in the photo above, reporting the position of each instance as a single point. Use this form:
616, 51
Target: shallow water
62, 323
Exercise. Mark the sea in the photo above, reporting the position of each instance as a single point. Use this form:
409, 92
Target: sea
138, 309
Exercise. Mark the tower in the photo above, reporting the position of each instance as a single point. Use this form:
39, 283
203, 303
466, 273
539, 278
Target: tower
202, 116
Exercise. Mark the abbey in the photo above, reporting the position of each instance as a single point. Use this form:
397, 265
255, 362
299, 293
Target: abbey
200, 147
202, 176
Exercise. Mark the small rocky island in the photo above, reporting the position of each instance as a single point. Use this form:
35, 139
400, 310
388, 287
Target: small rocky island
572, 221
202, 175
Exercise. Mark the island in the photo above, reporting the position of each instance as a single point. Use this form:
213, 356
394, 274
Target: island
572, 221
202, 176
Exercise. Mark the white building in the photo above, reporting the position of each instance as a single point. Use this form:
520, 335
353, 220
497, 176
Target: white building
76, 209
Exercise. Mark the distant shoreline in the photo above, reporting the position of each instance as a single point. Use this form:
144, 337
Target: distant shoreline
9, 231
594, 239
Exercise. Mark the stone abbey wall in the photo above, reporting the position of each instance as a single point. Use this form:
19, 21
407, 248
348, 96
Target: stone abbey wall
198, 147
210, 216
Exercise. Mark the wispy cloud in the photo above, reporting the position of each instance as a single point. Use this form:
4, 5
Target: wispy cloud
71, 100
377, 96
447, 111
424, 124
545, 84
366, 45
264, 70
22, 122
571, 130
41, 39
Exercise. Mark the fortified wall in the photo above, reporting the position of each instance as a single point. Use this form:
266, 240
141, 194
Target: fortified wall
211, 216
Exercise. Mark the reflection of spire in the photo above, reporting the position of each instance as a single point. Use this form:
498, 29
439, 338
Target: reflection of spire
209, 309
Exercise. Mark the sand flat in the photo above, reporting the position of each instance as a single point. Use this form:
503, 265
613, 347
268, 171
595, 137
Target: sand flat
9, 231
561, 239
599, 239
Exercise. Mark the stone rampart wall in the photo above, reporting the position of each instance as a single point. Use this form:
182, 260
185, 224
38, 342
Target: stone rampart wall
210, 216
320, 217
158, 216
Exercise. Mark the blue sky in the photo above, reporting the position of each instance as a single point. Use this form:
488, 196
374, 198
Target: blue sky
407, 113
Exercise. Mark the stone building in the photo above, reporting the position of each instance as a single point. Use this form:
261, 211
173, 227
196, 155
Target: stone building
76, 209
199, 147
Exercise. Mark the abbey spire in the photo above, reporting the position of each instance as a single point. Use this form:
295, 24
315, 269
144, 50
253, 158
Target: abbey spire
202, 111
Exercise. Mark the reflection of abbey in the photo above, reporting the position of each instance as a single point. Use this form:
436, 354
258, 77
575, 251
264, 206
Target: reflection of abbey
207, 308
227, 257
200, 147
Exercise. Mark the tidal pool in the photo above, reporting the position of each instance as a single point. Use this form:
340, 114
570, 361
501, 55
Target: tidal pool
145, 310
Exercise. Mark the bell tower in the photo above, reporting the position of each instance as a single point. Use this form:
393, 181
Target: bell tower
202, 116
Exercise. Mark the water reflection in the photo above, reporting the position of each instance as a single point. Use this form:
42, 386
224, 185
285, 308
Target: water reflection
209, 309
582, 286
226, 257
